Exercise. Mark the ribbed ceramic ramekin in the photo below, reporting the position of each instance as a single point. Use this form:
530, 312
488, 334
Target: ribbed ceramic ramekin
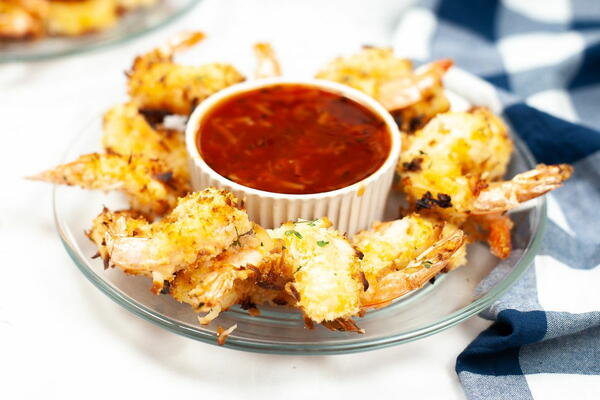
351, 209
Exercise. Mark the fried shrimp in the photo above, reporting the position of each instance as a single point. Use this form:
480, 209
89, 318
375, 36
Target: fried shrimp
29, 19
200, 227
445, 254
389, 248
73, 18
367, 70
146, 182
416, 99
126, 131
267, 64
413, 97
156, 82
103, 223
246, 273
447, 161
453, 167
22, 19
326, 282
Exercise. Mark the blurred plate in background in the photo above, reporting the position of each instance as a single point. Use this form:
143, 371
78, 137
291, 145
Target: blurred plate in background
129, 26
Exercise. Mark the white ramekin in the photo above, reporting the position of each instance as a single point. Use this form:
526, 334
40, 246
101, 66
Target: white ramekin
351, 209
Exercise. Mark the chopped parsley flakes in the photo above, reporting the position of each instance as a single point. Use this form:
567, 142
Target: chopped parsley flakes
293, 232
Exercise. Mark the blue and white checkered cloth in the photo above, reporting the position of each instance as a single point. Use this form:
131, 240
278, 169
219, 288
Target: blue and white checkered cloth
544, 57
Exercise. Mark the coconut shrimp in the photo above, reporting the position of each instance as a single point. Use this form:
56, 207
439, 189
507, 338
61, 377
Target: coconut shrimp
403, 255
146, 182
413, 97
247, 273
126, 131
69, 18
22, 19
414, 100
326, 281
367, 70
452, 167
200, 227
267, 64
450, 156
27, 19
334, 279
156, 82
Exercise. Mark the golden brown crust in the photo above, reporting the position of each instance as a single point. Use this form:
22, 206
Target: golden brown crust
127, 131
157, 83
200, 227
146, 182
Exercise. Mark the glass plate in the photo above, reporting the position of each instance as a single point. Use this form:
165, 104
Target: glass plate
453, 297
128, 27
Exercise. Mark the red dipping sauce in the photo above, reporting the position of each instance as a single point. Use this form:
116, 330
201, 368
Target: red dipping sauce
293, 139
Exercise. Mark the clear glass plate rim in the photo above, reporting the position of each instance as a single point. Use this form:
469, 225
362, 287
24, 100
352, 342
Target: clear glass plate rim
261, 346
90, 47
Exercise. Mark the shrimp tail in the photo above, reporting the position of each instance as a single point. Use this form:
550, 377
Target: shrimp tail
180, 42
499, 197
418, 272
407, 91
267, 64
498, 234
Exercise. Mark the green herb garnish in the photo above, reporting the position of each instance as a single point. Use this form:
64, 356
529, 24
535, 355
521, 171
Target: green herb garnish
236, 242
322, 243
293, 232
298, 269
427, 264
309, 222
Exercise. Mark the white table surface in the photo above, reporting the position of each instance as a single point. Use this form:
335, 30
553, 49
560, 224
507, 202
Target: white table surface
61, 337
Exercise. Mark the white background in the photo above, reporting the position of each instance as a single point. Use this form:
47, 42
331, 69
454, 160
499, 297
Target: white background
61, 337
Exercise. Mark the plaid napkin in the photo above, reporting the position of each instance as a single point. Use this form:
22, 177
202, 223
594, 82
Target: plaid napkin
544, 57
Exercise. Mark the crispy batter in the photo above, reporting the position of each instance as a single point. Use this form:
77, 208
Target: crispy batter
156, 82
69, 18
458, 151
412, 97
214, 285
200, 227
326, 276
144, 181
367, 70
223, 334
452, 167
22, 19
99, 233
126, 132
415, 100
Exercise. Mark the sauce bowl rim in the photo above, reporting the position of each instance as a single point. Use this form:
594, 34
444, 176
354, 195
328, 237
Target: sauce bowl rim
195, 119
